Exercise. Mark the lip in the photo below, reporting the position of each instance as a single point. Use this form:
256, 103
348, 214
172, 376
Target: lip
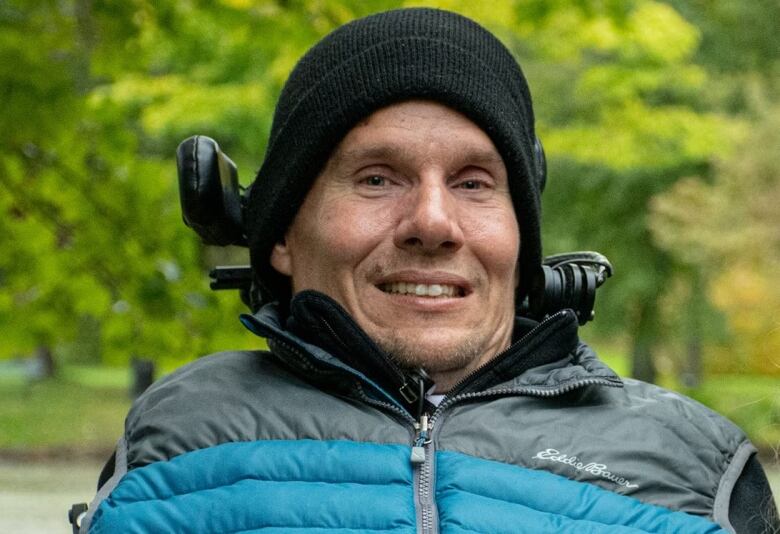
399, 306
425, 304
428, 278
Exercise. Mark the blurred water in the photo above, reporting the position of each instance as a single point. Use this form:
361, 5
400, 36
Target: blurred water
35, 497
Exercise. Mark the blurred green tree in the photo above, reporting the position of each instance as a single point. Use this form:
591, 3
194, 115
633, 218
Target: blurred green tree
616, 86
728, 229
95, 260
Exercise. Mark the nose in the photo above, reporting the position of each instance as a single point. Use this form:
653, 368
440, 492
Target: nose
429, 223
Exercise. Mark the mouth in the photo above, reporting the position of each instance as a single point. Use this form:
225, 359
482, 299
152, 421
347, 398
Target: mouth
436, 291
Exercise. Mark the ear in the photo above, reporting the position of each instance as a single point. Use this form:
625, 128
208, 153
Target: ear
280, 258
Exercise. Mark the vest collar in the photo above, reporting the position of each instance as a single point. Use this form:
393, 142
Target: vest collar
318, 329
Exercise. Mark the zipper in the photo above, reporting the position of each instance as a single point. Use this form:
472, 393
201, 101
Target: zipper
418, 446
422, 445
422, 462
306, 364
527, 391
464, 381
406, 390
299, 356
406, 416
391, 377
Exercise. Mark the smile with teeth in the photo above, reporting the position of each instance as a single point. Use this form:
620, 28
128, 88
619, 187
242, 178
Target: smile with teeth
422, 290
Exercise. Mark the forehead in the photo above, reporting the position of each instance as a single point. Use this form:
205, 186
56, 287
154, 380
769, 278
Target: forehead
412, 129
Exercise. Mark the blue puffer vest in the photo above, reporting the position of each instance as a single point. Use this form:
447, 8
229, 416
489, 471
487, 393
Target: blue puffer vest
297, 440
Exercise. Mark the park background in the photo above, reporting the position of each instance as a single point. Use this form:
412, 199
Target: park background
661, 124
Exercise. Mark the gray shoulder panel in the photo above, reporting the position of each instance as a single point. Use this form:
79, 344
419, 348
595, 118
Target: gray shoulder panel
120, 468
727, 483
245, 396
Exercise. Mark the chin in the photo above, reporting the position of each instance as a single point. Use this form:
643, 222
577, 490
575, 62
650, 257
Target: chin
431, 356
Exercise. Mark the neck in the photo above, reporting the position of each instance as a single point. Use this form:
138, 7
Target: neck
446, 379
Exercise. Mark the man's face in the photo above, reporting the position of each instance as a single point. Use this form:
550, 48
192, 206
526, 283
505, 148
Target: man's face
410, 227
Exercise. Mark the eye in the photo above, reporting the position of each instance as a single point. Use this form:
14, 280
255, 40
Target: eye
374, 180
471, 184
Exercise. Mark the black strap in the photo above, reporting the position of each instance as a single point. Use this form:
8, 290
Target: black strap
75, 514
107, 471
752, 508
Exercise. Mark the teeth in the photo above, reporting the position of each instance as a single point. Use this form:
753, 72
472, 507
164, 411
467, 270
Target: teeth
421, 290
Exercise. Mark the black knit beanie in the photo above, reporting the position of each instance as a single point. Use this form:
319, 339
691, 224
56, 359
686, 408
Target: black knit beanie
369, 64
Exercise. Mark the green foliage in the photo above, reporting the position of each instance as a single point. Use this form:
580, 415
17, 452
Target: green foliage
616, 87
92, 234
631, 96
737, 37
732, 217
727, 228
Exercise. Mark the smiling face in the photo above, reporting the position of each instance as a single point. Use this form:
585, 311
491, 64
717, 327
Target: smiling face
410, 227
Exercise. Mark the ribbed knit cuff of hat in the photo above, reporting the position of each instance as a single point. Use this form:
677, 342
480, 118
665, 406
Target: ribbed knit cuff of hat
369, 64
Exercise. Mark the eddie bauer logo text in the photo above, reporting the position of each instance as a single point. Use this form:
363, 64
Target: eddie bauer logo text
599, 470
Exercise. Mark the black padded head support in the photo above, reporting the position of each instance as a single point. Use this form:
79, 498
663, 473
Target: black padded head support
211, 199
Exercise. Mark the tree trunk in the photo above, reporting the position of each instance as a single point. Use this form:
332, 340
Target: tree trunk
44, 362
691, 375
644, 336
142, 374
692, 366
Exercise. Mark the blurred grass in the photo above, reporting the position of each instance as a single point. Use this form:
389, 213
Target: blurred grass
100, 377
81, 410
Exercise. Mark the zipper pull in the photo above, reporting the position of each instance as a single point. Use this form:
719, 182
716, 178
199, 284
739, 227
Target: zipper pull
418, 447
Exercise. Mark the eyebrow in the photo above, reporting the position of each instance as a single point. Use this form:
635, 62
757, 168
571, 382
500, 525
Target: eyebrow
475, 156
382, 151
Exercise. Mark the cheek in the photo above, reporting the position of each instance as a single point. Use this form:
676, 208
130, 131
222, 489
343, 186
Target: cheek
497, 239
353, 228
339, 236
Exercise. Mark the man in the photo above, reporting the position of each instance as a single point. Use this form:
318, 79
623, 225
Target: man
393, 230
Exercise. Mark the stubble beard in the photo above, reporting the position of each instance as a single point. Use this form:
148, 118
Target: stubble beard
411, 356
